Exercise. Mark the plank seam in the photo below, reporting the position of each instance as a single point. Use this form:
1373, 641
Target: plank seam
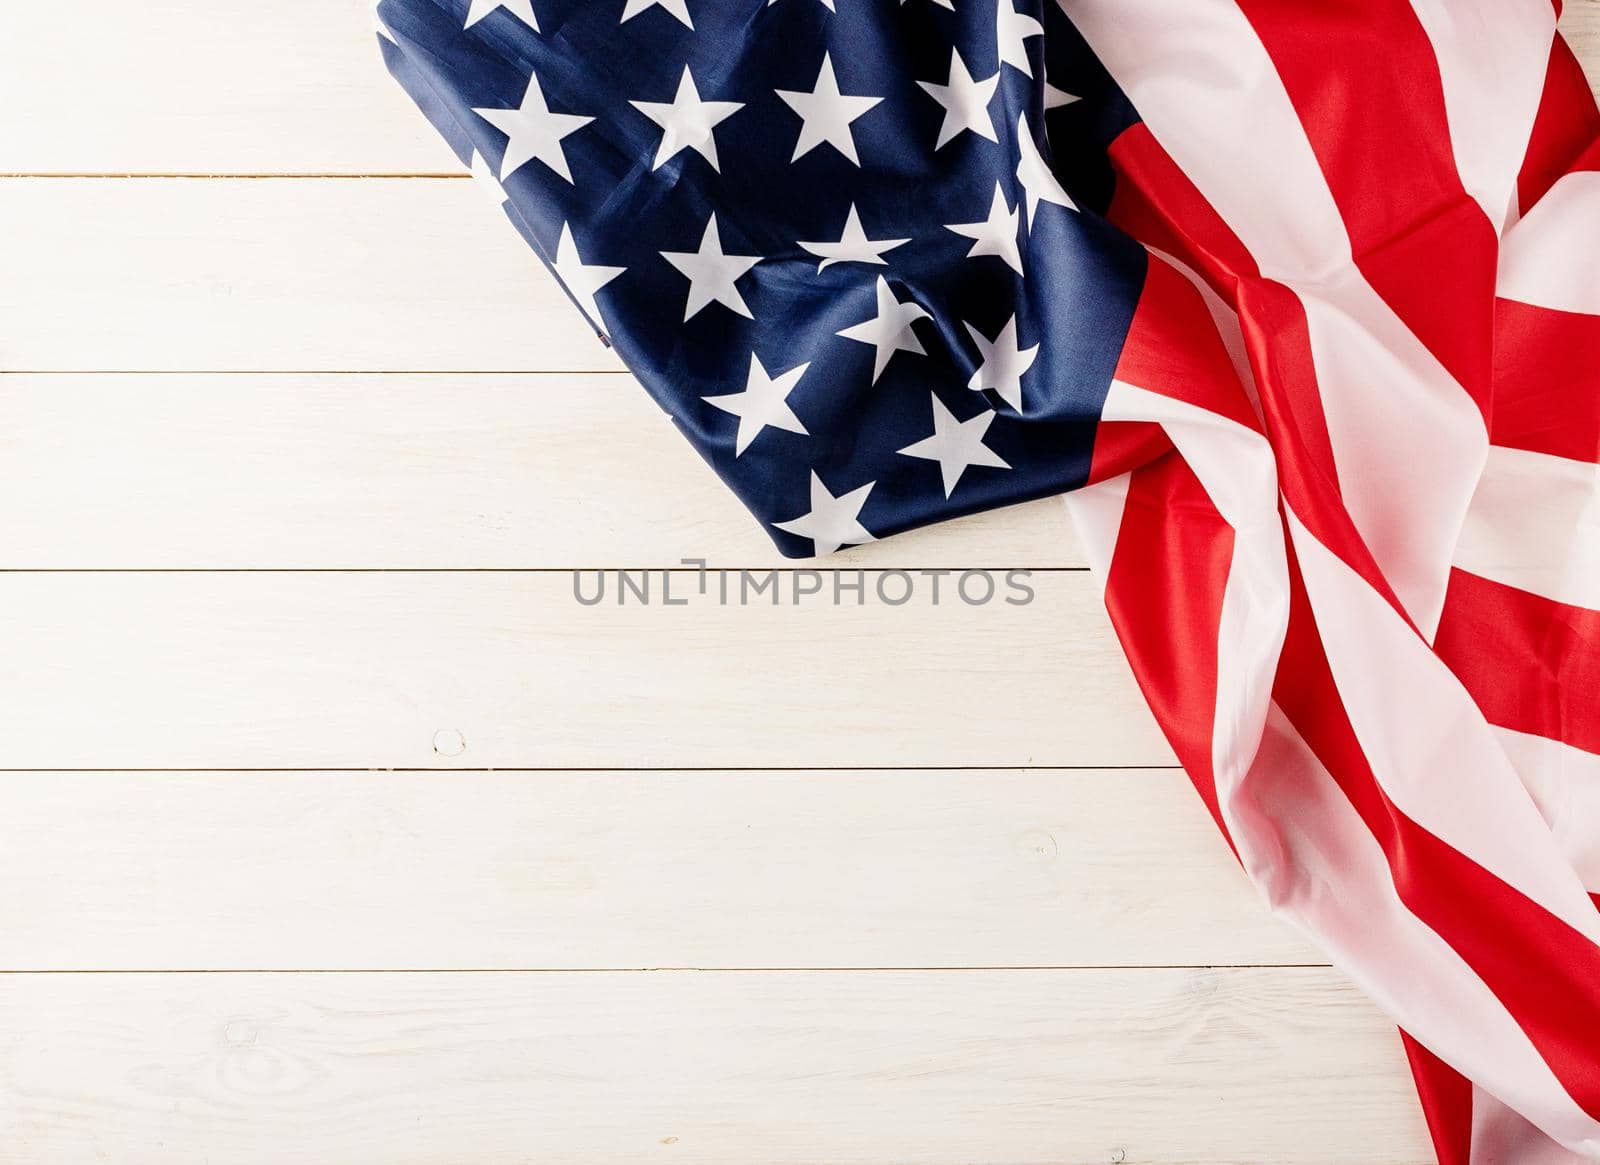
409, 372
230, 176
674, 570
532, 770
685, 970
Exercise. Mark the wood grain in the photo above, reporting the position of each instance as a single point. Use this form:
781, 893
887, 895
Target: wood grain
401, 471
290, 871
169, 274
277, 274
1280, 1067
297, 86
345, 670
164, 86
858, 866
1580, 25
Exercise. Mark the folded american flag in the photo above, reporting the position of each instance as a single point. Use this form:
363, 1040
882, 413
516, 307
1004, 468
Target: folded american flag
1301, 304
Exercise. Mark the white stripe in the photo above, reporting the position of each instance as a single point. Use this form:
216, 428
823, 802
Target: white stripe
1400, 427
1238, 470
1228, 328
1096, 511
1501, 1136
1427, 742
1493, 56
1235, 465
1549, 257
1565, 784
1299, 837
1321, 868
1206, 88
1534, 524
1398, 423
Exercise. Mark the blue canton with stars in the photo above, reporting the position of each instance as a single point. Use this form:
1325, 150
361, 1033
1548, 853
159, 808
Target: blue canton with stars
853, 247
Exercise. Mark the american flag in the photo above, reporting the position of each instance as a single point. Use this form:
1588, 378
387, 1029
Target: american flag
1299, 306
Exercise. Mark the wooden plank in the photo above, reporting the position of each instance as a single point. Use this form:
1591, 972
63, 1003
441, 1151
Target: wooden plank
1580, 24
247, 274
401, 275
401, 471
167, 86
343, 670
416, 871
234, 87
1280, 1067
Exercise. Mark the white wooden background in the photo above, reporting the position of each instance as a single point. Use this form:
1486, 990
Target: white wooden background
331, 830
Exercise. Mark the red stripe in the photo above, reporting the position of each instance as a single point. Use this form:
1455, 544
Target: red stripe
1164, 592
1446, 1097
1530, 663
1545, 973
1567, 124
1544, 373
1365, 83
1542, 970
1156, 201
1121, 446
1157, 204
1173, 348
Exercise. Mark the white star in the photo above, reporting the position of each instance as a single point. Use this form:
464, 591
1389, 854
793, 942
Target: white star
712, 274
1038, 182
1055, 98
581, 281
533, 132
854, 246
687, 122
1004, 365
1011, 28
956, 445
890, 330
828, 4
965, 101
487, 182
521, 9
678, 8
996, 235
827, 114
763, 402
833, 521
